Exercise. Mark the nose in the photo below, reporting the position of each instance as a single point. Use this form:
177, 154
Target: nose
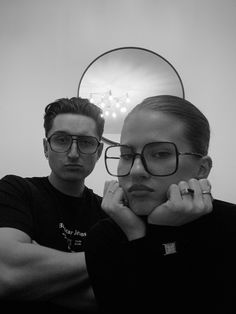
73, 152
137, 168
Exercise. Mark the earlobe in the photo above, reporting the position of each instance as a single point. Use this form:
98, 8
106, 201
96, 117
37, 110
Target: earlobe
100, 149
45, 147
205, 167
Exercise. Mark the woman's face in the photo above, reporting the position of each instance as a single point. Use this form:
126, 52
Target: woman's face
144, 127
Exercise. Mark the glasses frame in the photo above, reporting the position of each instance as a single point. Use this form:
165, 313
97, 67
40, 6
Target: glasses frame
144, 161
73, 138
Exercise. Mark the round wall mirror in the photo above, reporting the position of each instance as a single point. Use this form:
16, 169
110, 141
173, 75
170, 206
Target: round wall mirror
119, 79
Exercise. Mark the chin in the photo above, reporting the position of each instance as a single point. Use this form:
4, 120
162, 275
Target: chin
73, 177
142, 208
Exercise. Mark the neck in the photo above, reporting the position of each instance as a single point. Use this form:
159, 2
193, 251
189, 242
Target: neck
71, 188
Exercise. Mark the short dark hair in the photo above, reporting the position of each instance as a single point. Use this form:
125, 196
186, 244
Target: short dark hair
74, 105
197, 128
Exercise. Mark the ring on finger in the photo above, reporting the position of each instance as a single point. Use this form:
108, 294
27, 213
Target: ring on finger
187, 191
207, 192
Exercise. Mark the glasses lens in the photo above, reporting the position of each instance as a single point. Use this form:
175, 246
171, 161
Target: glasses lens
87, 144
161, 158
119, 160
60, 142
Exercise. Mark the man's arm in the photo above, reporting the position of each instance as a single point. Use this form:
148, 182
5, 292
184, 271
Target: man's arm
77, 299
34, 272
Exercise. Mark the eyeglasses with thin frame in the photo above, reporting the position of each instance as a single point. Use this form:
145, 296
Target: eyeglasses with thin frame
61, 142
158, 159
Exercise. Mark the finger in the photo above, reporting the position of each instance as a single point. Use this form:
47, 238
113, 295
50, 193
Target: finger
113, 187
113, 205
185, 191
111, 198
121, 197
106, 185
205, 186
174, 194
202, 201
194, 185
109, 186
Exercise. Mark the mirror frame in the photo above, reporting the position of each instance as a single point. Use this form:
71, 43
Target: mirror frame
104, 139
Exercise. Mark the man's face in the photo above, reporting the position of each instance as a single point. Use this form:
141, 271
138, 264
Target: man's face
145, 127
72, 165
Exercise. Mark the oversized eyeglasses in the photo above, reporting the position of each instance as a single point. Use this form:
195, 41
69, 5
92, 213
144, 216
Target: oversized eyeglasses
62, 142
158, 158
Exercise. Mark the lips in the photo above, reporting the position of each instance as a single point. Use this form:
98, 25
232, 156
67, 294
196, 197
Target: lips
139, 188
73, 166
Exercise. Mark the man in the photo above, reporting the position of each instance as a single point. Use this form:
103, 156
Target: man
44, 220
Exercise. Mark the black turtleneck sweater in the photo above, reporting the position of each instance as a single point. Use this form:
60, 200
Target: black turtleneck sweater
188, 269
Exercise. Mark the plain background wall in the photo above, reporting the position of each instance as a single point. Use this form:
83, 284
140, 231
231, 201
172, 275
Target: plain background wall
46, 45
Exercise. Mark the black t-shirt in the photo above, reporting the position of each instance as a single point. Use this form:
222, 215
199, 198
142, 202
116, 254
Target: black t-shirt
49, 217
187, 269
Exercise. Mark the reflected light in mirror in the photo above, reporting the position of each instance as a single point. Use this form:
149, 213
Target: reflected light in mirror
121, 78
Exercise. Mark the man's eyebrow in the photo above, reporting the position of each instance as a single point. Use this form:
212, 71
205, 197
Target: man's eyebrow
67, 133
61, 132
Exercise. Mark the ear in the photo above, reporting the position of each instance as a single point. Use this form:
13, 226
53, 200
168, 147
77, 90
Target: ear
100, 149
205, 167
45, 147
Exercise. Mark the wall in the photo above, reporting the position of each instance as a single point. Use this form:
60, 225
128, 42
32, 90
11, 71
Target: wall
47, 44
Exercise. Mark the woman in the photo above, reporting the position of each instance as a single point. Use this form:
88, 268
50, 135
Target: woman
168, 246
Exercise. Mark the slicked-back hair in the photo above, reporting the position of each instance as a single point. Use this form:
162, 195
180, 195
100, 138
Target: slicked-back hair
74, 105
197, 128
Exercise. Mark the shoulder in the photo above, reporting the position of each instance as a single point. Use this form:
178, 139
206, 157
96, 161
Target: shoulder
89, 193
37, 182
11, 178
225, 214
95, 201
224, 208
13, 182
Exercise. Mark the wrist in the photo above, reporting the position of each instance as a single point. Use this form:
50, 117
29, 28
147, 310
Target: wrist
136, 234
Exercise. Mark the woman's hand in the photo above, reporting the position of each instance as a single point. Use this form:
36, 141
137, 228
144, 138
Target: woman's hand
183, 206
115, 206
